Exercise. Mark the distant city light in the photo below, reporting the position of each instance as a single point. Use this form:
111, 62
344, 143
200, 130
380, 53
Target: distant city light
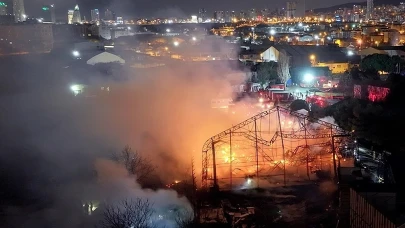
45, 8
350, 53
175, 43
194, 38
3, 4
308, 77
167, 30
76, 53
75, 88
24, 16
316, 37
129, 28
300, 24
272, 32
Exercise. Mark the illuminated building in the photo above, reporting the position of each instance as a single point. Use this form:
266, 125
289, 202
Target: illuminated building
290, 11
76, 15
108, 15
19, 10
49, 13
70, 16
370, 9
3, 9
120, 20
52, 9
95, 15
202, 15
219, 16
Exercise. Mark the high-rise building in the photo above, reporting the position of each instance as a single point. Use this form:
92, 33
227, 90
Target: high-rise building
95, 15
120, 20
19, 10
3, 9
219, 16
76, 15
53, 16
70, 16
370, 9
300, 8
202, 15
49, 13
290, 9
108, 15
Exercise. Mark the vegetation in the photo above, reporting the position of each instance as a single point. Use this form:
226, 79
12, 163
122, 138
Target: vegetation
380, 62
283, 70
139, 166
266, 72
274, 71
379, 122
128, 213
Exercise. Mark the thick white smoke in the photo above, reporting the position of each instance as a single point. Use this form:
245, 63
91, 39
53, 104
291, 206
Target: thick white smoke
118, 186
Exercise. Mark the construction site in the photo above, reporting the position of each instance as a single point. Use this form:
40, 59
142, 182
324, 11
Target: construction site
275, 157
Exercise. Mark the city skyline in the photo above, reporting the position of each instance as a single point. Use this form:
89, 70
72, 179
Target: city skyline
179, 8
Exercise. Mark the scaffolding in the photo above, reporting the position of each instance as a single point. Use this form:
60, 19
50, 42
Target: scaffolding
276, 144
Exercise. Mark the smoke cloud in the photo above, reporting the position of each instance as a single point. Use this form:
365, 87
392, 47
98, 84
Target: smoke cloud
118, 185
52, 141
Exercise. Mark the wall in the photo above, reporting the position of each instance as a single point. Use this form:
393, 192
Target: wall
364, 215
335, 68
270, 54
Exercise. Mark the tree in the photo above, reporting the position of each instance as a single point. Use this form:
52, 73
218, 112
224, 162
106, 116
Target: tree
135, 164
266, 71
380, 62
127, 214
346, 83
283, 69
299, 105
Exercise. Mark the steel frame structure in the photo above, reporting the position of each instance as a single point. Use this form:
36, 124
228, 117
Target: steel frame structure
258, 136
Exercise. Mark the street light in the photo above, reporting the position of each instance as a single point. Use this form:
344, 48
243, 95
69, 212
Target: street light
76, 53
308, 77
175, 43
194, 38
312, 57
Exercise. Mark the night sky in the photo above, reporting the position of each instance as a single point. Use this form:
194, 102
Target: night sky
164, 8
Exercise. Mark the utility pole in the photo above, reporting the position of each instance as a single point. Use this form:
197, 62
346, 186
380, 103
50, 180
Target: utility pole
257, 156
282, 142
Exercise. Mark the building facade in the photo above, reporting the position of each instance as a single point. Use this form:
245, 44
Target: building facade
370, 9
70, 16
3, 8
77, 18
290, 10
19, 11
95, 15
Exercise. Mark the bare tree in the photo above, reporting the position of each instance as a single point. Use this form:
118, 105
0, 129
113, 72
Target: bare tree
283, 69
127, 214
184, 219
137, 165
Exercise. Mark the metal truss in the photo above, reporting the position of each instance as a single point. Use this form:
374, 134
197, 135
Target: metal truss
261, 145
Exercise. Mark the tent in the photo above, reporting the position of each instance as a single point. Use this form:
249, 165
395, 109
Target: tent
105, 57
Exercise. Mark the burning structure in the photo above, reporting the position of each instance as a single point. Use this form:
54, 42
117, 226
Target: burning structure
272, 144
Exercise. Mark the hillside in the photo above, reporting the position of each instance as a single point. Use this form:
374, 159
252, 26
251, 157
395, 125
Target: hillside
350, 5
